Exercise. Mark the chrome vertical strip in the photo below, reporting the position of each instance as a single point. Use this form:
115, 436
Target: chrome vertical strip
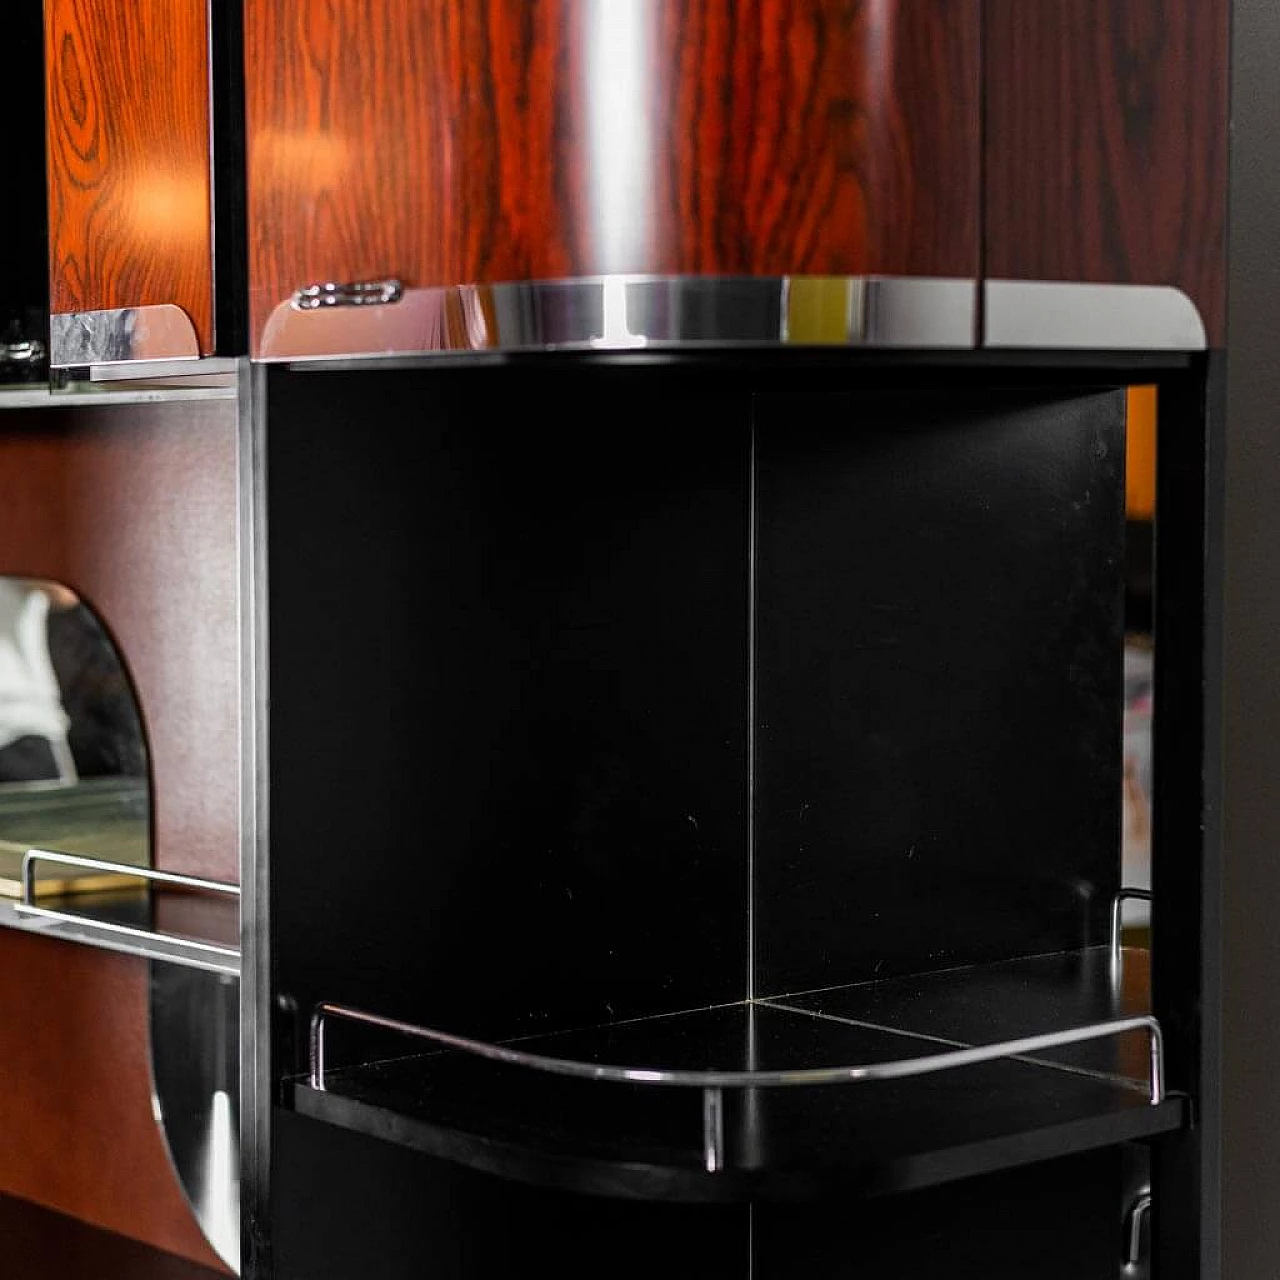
255, 981
1054, 315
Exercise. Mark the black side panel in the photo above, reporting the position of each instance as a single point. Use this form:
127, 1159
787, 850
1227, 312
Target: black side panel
1251, 667
939, 676
24, 261
508, 699
353, 1208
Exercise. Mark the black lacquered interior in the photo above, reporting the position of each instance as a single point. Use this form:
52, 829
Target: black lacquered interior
688, 696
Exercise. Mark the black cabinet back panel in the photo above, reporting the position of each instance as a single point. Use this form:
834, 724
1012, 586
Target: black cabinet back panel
507, 699
939, 650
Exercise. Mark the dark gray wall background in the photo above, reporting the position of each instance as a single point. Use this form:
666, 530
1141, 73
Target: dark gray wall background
1251, 638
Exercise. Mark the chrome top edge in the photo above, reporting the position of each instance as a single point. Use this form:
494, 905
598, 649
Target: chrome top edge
628, 313
163, 331
1056, 315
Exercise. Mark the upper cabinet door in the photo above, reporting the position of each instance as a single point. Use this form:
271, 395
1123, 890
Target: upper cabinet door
1106, 148
457, 142
129, 178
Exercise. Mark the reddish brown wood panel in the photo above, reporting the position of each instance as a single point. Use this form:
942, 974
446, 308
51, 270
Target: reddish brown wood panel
78, 1134
1106, 144
454, 141
135, 508
129, 163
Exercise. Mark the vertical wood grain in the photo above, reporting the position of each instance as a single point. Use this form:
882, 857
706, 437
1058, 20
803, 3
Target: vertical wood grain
135, 508
1106, 144
127, 97
451, 141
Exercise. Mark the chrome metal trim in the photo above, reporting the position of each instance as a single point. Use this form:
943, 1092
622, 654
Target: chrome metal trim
172, 948
29, 351
43, 398
1133, 1220
161, 331
628, 312
89, 932
355, 293
195, 1095
212, 370
1057, 315
713, 1129
713, 1079
257, 1077
1117, 911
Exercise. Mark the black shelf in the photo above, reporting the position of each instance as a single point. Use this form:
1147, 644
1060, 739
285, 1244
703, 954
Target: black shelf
1029, 996
799, 1143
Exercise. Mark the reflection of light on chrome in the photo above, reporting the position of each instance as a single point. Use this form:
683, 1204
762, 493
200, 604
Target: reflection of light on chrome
616, 330
618, 113
219, 1185
881, 37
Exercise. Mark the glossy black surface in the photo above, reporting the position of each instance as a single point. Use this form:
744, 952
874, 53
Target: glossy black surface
38, 1244
939, 681
508, 698
987, 1003
1058, 1220
24, 284
348, 1207
645, 1141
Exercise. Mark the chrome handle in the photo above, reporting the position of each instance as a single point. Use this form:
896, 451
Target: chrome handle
357, 293
206, 954
1117, 907
1137, 1214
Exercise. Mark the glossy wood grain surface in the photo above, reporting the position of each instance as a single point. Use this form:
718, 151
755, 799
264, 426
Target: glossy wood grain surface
128, 150
135, 508
1106, 144
78, 1134
489, 140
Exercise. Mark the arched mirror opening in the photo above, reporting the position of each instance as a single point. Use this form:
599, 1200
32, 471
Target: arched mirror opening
74, 779
73, 757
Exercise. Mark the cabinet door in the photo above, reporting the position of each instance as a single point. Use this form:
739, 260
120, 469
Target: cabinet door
129, 167
448, 142
1106, 144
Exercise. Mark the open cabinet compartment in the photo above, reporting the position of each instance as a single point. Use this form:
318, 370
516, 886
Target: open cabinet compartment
677, 722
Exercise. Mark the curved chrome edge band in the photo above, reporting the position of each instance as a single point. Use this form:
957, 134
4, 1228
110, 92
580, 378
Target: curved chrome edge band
896, 1070
1058, 315
161, 331
630, 312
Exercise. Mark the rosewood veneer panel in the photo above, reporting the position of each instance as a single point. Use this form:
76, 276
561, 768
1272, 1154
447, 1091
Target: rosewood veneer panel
494, 140
75, 1074
1106, 144
136, 509
129, 162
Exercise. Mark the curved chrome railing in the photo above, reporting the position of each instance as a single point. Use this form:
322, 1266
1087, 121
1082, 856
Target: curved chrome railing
714, 1082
